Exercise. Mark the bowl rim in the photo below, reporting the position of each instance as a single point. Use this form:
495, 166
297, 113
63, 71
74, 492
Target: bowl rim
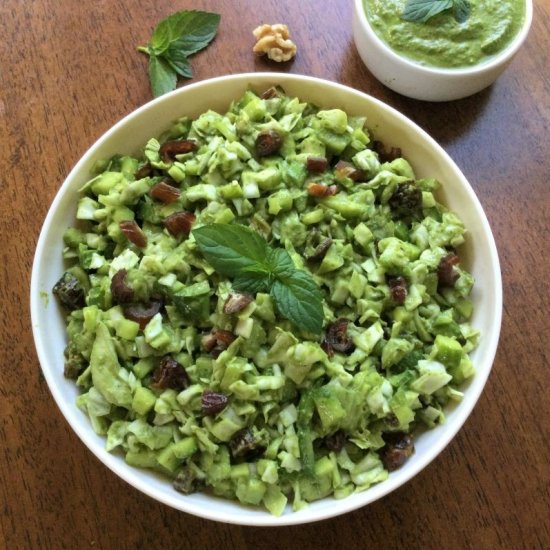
500, 58
131, 474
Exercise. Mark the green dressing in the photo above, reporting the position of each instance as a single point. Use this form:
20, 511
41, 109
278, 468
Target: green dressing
444, 42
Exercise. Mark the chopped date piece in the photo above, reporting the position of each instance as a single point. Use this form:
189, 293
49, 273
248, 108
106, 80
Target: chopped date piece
170, 374
245, 445
398, 289
209, 342
141, 313
69, 292
320, 191
164, 192
133, 233
406, 200
74, 362
212, 402
72, 370
274, 91
399, 447
337, 339
236, 302
186, 482
179, 223
170, 149
336, 441
268, 142
320, 251
316, 164
447, 275
327, 348
224, 336
143, 172
386, 155
122, 293
346, 169
217, 341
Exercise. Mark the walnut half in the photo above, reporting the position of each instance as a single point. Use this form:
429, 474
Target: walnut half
274, 41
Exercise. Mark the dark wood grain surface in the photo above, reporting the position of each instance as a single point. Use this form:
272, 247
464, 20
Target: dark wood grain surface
69, 71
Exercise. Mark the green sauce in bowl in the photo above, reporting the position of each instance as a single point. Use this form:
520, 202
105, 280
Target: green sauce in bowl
444, 42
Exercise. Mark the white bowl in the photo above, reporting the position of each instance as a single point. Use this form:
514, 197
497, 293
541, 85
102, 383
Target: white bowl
418, 81
128, 136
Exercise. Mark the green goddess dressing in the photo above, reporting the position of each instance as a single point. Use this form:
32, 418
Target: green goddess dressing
444, 42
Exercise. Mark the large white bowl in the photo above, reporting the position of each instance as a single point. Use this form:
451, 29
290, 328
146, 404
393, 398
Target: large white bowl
128, 136
412, 79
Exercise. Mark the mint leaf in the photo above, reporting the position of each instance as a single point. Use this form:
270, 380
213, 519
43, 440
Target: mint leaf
252, 282
299, 299
419, 11
231, 249
161, 75
162, 35
242, 254
462, 9
178, 61
173, 40
194, 30
280, 262
188, 31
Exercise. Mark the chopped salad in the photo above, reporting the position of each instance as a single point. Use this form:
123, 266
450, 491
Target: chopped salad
265, 304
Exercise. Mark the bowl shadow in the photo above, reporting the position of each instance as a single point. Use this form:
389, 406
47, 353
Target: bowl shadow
445, 121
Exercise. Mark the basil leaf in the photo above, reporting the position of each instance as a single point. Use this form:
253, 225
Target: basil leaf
230, 249
161, 75
462, 9
299, 299
419, 11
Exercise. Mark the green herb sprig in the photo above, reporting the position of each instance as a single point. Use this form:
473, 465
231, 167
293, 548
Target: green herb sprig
419, 11
240, 253
174, 39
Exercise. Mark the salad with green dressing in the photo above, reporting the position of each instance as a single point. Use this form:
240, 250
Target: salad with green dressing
265, 304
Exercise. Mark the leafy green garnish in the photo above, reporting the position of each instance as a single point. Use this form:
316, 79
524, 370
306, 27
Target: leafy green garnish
462, 9
419, 11
162, 77
174, 39
297, 298
240, 253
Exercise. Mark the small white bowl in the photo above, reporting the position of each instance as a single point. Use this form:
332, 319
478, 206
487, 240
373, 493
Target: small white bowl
412, 79
128, 136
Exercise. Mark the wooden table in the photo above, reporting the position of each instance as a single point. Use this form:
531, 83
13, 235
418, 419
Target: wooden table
69, 70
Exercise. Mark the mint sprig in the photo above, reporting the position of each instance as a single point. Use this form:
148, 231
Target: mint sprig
420, 11
240, 253
173, 40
